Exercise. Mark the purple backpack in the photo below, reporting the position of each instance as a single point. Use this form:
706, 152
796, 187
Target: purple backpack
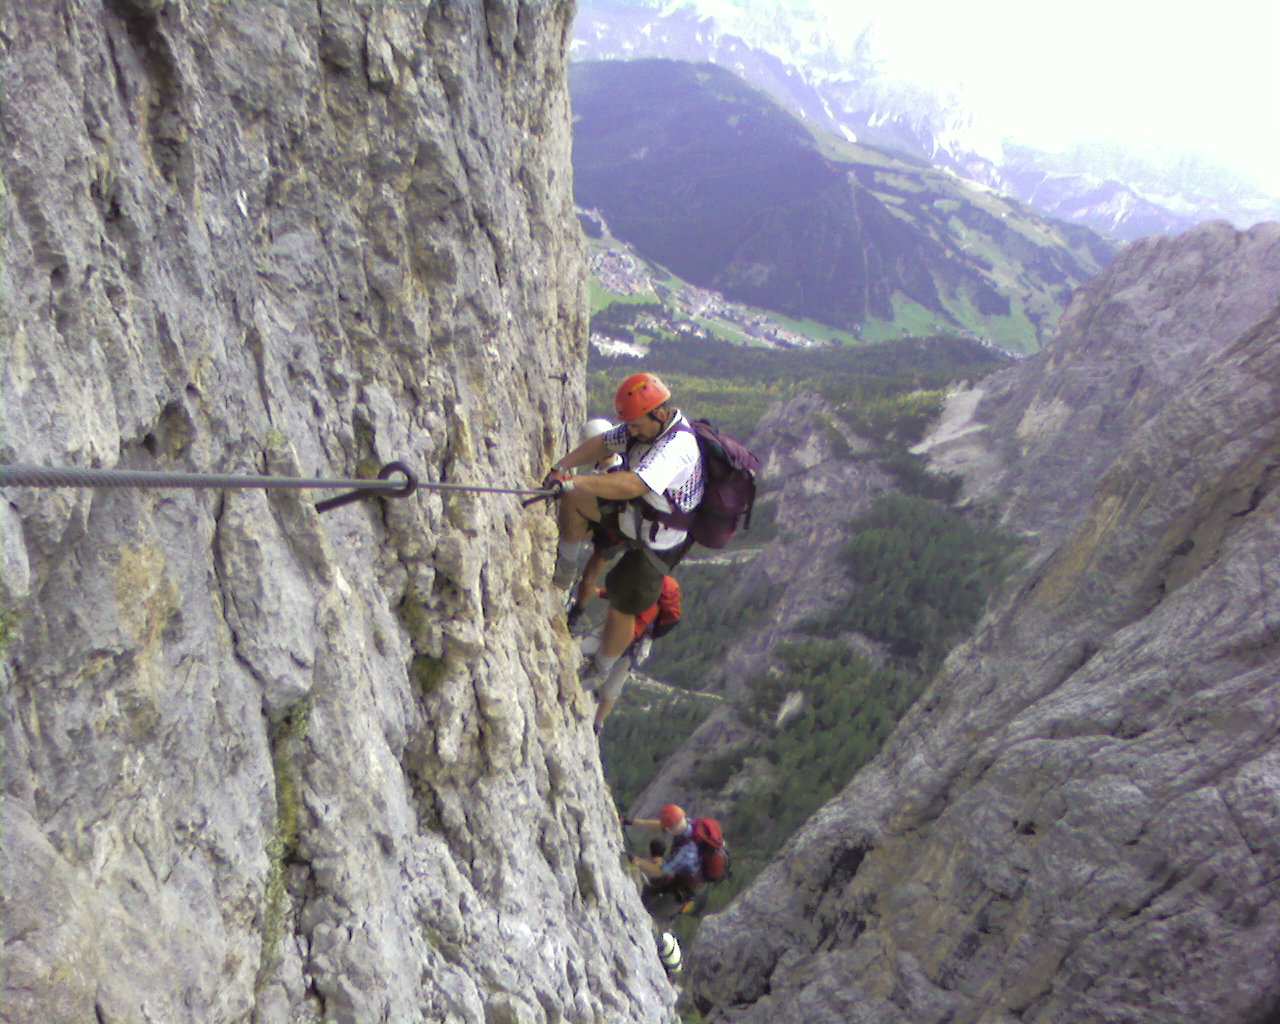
729, 478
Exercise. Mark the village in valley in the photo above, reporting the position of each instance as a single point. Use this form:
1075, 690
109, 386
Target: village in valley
634, 302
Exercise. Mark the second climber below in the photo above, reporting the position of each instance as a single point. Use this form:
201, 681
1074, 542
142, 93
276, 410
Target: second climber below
649, 502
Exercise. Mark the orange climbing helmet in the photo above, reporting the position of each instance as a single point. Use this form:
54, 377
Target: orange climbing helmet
670, 816
639, 394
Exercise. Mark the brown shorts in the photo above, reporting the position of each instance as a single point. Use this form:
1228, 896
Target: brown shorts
635, 583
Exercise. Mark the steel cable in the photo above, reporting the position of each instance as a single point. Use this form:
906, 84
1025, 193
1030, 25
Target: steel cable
61, 476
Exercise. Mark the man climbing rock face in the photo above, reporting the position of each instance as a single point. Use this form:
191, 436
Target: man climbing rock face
649, 502
672, 881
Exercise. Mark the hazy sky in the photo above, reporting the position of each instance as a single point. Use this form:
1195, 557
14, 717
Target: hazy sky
1203, 77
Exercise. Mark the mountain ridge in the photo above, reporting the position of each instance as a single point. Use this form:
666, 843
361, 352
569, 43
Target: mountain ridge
704, 174
846, 92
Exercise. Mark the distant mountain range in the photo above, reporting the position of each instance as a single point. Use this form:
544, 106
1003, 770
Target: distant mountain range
714, 180
838, 85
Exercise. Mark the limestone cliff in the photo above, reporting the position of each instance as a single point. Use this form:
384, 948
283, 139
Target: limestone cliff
1077, 821
261, 764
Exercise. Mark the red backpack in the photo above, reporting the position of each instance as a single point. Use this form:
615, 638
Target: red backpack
668, 608
712, 851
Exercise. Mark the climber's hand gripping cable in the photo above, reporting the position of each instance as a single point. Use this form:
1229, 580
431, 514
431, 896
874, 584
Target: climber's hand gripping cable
554, 486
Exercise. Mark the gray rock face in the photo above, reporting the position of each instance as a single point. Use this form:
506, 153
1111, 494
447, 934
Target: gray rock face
1041, 434
260, 764
1077, 821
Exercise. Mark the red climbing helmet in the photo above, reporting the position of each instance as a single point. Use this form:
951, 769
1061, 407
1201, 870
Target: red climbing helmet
639, 394
670, 816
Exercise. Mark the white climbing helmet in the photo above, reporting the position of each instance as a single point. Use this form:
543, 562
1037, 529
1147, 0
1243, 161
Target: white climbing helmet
594, 428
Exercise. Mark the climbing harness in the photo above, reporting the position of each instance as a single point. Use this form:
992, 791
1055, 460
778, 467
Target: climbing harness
407, 484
